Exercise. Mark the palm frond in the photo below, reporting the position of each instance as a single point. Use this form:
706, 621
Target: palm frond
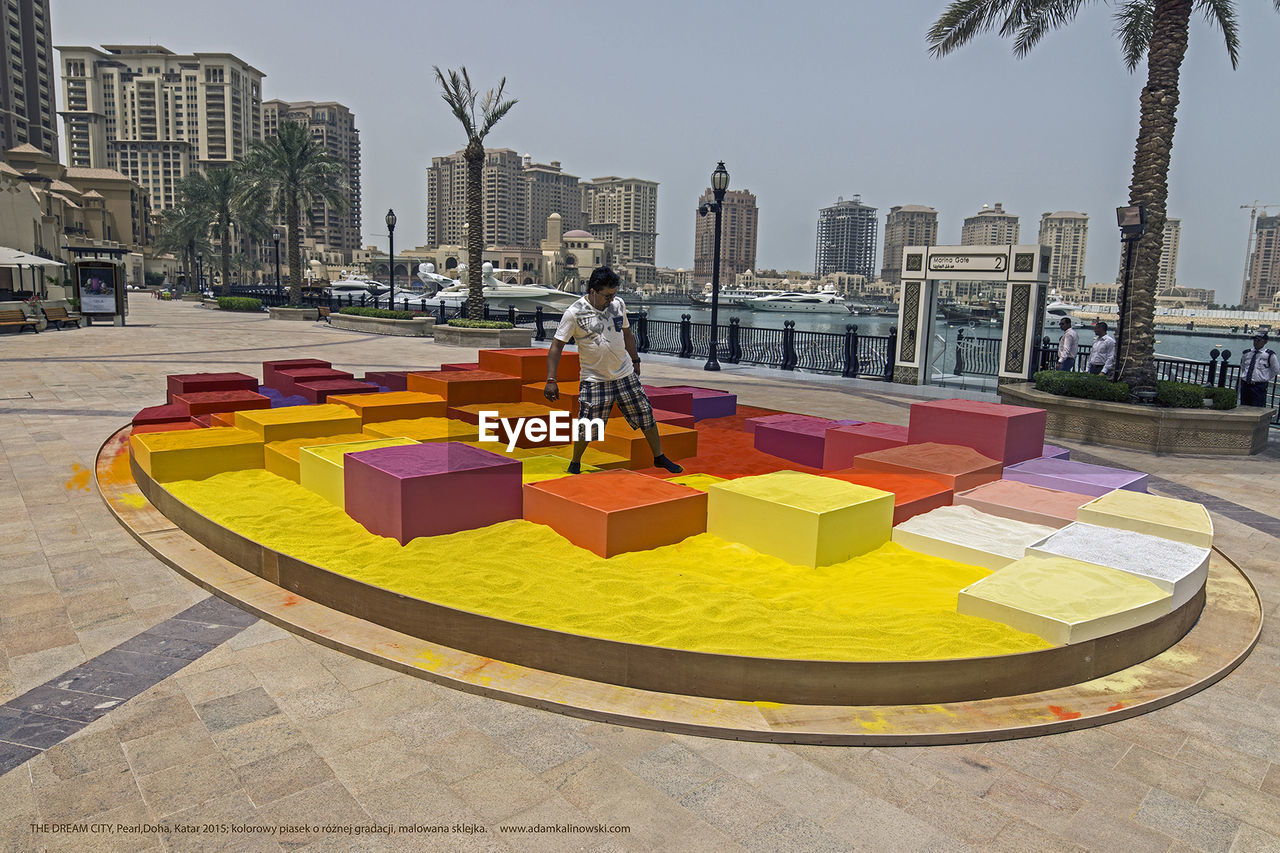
458, 94
962, 20
493, 115
1223, 14
1134, 24
1040, 18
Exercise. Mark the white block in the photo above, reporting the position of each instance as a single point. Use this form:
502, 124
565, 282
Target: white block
967, 535
1175, 567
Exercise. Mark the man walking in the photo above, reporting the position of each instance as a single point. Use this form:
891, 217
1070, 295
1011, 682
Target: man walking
609, 363
1102, 355
1068, 345
1258, 367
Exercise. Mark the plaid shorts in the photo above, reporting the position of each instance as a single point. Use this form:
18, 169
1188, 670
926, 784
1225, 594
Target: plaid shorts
596, 399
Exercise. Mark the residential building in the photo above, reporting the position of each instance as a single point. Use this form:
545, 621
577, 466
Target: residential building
1167, 277
906, 225
630, 204
846, 238
990, 226
502, 199
1263, 281
156, 116
26, 81
547, 190
1066, 232
333, 126
739, 220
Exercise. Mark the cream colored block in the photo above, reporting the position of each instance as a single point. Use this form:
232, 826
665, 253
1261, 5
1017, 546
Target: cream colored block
320, 466
804, 519
1168, 518
1063, 600
966, 535
1176, 567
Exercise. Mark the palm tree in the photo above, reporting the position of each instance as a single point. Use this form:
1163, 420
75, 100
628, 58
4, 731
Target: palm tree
461, 98
183, 230
289, 173
1158, 30
216, 194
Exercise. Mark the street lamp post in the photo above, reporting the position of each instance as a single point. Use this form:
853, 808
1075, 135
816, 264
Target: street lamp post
275, 235
1133, 224
391, 256
200, 272
719, 183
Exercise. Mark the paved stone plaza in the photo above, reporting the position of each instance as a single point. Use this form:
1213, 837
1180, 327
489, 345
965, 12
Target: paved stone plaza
265, 729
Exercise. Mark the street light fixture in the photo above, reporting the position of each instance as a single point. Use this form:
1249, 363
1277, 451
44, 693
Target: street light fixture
1133, 224
391, 257
719, 183
200, 272
275, 235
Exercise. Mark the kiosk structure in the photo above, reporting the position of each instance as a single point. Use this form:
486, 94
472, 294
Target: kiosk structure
1024, 270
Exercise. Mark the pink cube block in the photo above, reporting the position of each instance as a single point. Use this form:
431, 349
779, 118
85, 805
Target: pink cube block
1024, 502
270, 369
802, 439
669, 399
1008, 434
322, 389
709, 402
190, 383
846, 443
430, 489
679, 419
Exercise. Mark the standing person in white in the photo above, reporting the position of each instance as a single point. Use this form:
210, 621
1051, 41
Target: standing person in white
1258, 367
609, 364
1068, 345
1102, 355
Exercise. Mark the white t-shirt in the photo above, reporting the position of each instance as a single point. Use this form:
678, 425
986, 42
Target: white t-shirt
601, 349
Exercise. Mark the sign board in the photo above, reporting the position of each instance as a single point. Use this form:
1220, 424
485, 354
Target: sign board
969, 263
100, 288
1025, 263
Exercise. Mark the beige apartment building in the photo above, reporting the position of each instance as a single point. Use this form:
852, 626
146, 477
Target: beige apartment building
502, 198
1066, 232
739, 223
156, 116
26, 80
630, 204
549, 189
334, 127
990, 226
1263, 282
906, 225
1167, 277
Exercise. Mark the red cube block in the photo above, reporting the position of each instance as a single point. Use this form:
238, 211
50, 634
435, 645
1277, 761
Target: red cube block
320, 390
679, 419
1009, 434
208, 402
270, 368
392, 380
670, 399
846, 443
455, 366
287, 380
913, 494
801, 439
528, 364
168, 414
190, 383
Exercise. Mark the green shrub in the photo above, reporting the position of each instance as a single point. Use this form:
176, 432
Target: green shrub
381, 313
1221, 398
239, 303
461, 323
1066, 383
153, 279
1179, 395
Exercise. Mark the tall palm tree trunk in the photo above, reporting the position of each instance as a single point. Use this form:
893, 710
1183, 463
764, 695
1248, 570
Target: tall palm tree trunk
1150, 185
226, 255
474, 156
292, 222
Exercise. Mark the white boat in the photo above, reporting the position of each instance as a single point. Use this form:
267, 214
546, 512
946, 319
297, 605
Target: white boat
356, 287
498, 294
1058, 308
817, 303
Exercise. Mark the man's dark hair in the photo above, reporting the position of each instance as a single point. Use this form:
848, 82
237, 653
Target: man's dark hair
1066, 320
603, 278
1101, 324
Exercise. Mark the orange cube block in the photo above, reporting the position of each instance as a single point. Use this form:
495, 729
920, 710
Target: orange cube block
282, 458
222, 419
959, 466
613, 512
207, 402
464, 387
621, 439
913, 494
529, 364
392, 405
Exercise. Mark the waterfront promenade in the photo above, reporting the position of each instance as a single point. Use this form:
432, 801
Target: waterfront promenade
266, 730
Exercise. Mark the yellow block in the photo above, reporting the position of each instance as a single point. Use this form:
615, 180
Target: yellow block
535, 469
701, 482
804, 519
1181, 521
197, 453
281, 457
288, 422
320, 466
393, 405
424, 429
1063, 600
597, 458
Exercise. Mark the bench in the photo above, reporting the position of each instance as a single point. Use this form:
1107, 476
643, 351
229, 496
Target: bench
57, 315
324, 312
15, 317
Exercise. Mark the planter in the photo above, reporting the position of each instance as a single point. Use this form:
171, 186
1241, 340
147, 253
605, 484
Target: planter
416, 328
461, 337
1210, 432
308, 314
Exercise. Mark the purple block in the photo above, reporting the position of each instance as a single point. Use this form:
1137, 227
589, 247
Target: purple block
1079, 477
430, 489
393, 380
1054, 452
799, 439
709, 402
280, 401
268, 391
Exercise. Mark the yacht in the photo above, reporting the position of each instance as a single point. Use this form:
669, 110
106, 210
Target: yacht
498, 294
817, 303
356, 287
1058, 308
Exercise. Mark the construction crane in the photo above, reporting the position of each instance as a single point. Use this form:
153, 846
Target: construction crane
1248, 254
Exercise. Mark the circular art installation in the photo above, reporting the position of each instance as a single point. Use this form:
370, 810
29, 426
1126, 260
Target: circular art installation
805, 579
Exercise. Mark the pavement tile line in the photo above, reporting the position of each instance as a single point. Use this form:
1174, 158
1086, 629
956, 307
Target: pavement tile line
45, 716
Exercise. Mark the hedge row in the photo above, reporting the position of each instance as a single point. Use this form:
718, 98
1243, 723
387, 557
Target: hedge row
1174, 395
382, 313
239, 303
480, 324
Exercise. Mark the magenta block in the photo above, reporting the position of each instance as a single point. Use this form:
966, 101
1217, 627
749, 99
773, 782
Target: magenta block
1054, 452
191, 383
749, 425
171, 413
846, 443
669, 399
799, 439
321, 390
287, 380
1079, 477
709, 402
271, 369
430, 489
1008, 434
680, 419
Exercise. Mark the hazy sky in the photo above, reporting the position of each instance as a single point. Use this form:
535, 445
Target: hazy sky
804, 101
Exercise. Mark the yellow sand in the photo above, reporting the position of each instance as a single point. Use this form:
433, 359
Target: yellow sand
1182, 521
702, 594
808, 492
701, 482
1066, 589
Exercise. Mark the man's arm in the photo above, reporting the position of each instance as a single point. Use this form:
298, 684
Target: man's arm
1110, 358
552, 389
629, 341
